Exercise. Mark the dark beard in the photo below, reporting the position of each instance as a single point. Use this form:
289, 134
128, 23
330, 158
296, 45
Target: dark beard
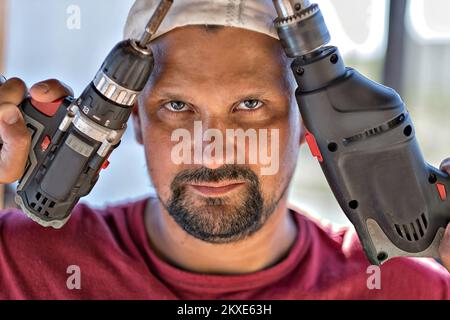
219, 220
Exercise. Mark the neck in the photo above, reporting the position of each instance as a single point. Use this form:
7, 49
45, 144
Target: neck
263, 249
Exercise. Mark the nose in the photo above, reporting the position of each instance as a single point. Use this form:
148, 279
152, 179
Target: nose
214, 143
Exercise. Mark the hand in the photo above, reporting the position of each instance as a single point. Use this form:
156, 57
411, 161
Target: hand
13, 131
444, 249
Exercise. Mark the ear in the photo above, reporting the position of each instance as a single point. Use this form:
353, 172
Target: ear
137, 124
302, 133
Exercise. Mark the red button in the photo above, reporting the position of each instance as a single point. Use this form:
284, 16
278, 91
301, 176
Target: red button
312, 143
105, 164
442, 191
45, 143
49, 109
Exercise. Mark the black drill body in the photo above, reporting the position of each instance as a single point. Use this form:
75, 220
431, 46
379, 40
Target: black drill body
73, 138
364, 138
371, 159
67, 165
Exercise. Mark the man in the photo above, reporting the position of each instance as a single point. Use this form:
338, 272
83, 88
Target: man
217, 229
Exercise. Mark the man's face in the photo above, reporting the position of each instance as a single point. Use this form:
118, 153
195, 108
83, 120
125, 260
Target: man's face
207, 89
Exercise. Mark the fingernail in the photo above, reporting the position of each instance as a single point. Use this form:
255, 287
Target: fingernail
41, 87
11, 117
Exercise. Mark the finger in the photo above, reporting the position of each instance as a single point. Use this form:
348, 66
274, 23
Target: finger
444, 248
12, 91
15, 136
16, 143
50, 90
445, 165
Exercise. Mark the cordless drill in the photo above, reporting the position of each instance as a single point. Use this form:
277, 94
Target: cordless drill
73, 138
364, 138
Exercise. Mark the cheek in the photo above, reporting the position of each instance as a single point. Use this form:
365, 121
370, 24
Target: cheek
286, 143
285, 150
158, 147
292, 136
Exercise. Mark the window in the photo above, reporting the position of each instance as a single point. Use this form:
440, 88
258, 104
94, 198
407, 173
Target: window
428, 21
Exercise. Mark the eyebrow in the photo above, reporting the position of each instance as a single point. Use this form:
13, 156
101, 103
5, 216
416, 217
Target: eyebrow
169, 95
176, 96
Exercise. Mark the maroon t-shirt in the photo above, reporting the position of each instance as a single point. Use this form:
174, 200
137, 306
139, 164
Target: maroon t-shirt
111, 249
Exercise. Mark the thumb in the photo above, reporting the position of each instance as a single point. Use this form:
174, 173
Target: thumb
50, 90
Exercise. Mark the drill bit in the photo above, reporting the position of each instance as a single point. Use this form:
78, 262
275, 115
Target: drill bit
288, 8
155, 21
300, 26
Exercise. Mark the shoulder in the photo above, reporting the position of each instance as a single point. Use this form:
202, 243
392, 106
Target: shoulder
34, 261
343, 260
86, 225
408, 277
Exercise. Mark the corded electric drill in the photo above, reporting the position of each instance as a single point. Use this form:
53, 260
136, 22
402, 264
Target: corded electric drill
73, 138
363, 136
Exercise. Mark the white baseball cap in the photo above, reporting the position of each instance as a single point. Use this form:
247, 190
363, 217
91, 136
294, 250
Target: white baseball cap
254, 15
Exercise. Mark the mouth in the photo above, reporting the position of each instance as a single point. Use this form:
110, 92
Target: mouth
215, 189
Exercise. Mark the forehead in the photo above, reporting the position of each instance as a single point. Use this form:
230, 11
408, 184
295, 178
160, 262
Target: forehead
225, 54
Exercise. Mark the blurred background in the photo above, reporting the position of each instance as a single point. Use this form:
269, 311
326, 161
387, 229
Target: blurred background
404, 44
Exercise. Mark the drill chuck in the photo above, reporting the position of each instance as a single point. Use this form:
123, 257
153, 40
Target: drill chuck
109, 99
301, 27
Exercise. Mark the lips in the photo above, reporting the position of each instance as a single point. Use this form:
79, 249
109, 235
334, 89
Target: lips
216, 189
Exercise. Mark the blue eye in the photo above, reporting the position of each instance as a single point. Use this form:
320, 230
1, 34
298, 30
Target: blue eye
176, 106
250, 105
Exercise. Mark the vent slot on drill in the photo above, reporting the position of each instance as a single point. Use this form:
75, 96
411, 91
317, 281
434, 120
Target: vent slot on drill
42, 204
413, 231
376, 131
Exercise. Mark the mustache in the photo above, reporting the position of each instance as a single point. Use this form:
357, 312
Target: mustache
225, 172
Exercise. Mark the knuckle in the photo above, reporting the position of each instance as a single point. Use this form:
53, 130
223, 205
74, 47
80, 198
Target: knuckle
12, 88
17, 82
6, 107
16, 174
11, 173
19, 138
